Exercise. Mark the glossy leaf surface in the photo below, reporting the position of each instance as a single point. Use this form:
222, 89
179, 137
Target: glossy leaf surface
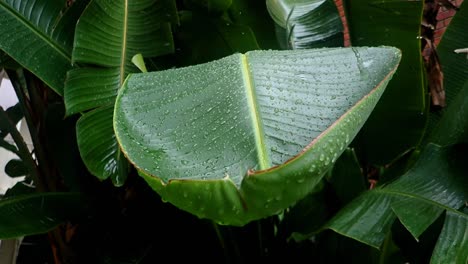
108, 35
37, 213
306, 24
38, 34
402, 107
435, 184
229, 139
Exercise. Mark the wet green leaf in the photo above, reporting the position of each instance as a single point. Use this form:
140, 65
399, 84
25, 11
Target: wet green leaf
108, 35
229, 140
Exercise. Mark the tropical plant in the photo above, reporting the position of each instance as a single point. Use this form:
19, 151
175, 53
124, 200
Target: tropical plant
232, 130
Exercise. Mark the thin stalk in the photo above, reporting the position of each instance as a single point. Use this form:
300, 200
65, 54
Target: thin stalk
23, 149
222, 242
385, 247
260, 237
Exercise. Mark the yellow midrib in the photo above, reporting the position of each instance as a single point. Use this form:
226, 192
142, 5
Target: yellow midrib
124, 43
263, 158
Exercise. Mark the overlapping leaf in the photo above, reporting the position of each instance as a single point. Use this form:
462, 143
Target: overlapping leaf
436, 184
38, 34
230, 140
306, 24
108, 35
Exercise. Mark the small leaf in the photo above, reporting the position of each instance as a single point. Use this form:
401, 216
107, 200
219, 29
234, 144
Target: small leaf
416, 216
16, 168
15, 114
306, 24
138, 61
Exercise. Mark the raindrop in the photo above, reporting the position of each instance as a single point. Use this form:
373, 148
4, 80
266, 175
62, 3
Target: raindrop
322, 157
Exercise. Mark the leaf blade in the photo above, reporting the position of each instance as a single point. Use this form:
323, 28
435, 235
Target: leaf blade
37, 213
188, 137
28, 38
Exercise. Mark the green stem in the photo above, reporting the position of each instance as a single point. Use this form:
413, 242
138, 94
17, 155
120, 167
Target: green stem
222, 242
260, 237
385, 247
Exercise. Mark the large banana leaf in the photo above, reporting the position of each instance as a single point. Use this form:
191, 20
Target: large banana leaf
436, 184
38, 34
245, 136
399, 116
38, 213
108, 35
306, 24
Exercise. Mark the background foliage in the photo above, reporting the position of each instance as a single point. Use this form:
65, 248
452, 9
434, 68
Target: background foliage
398, 194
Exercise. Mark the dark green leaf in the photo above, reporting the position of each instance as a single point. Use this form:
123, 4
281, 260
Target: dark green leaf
229, 140
16, 168
452, 128
210, 6
36, 33
306, 216
402, 107
416, 216
37, 213
108, 35
97, 144
306, 24
202, 39
453, 241
346, 177
254, 15
437, 182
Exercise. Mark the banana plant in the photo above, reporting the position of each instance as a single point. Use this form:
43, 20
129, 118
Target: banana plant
38, 34
244, 137
108, 34
435, 187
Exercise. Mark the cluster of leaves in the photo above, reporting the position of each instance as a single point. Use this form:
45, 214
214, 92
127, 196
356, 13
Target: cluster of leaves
76, 56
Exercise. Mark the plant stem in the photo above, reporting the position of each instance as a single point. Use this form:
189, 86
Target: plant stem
23, 149
222, 242
260, 237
